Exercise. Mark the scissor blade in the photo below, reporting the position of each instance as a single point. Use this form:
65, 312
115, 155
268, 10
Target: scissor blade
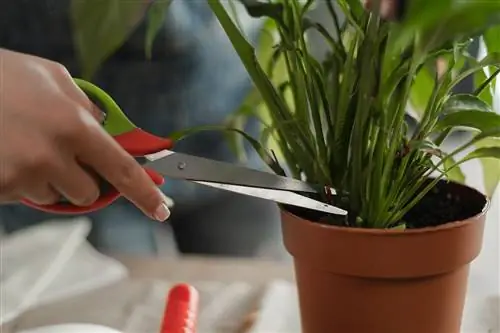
194, 168
284, 197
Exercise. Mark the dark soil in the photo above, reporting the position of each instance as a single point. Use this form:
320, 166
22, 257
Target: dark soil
441, 205
446, 202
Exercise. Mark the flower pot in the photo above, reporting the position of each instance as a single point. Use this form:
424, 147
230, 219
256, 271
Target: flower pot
353, 280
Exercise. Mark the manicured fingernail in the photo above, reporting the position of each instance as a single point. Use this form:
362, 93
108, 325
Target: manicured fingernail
162, 213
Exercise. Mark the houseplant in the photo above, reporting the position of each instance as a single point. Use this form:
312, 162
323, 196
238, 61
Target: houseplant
411, 232
399, 261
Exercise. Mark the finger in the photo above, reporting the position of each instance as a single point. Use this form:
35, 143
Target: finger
96, 112
67, 85
42, 194
103, 154
76, 184
77, 95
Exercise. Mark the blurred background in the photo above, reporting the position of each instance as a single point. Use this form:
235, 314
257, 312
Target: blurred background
194, 78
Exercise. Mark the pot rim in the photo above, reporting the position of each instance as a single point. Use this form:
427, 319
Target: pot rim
405, 232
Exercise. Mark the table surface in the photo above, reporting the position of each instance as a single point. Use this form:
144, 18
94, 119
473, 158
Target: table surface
100, 306
208, 268
91, 306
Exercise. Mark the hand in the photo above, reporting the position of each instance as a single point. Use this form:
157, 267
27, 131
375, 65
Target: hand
49, 130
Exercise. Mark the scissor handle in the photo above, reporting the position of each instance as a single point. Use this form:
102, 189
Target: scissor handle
181, 310
134, 140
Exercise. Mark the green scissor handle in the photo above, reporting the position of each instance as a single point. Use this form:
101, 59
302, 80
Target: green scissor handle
116, 122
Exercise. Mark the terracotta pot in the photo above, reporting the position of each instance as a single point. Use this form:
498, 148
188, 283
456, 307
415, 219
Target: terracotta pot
353, 280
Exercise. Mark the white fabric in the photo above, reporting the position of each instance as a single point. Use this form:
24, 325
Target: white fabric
72, 328
49, 262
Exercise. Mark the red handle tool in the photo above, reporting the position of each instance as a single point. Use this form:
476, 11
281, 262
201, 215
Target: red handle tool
135, 141
181, 310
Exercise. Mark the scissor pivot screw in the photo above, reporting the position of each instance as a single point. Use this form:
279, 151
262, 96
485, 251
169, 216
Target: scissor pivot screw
181, 165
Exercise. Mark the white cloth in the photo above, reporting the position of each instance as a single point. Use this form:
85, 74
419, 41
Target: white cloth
49, 262
72, 328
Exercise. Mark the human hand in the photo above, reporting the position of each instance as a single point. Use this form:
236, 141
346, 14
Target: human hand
51, 137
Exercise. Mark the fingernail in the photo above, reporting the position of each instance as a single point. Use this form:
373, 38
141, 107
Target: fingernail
162, 213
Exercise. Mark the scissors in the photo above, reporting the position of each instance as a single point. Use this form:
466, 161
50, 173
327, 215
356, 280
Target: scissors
159, 161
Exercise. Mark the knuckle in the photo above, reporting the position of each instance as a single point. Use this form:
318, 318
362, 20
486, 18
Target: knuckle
74, 126
59, 71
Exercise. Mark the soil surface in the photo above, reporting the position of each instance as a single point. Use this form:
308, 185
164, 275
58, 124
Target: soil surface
446, 202
442, 205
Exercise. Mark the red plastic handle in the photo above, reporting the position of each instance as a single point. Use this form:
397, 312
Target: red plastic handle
137, 143
181, 311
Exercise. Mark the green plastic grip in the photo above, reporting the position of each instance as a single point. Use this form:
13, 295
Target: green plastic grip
116, 121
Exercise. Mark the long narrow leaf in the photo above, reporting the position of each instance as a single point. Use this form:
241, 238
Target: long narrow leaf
263, 153
156, 17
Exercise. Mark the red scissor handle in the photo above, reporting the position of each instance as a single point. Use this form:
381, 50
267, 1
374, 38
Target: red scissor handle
181, 310
137, 143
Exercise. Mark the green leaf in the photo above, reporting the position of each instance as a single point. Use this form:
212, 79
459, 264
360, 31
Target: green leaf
470, 20
453, 171
465, 102
156, 16
493, 152
247, 55
235, 142
491, 175
444, 20
492, 39
355, 7
483, 85
421, 91
479, 120
262, 9
419, 15
488, 153
401, 226
492, 59
253, 105
300, 140
101, 27
422, 13
266, 156
490, 161
353, 12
